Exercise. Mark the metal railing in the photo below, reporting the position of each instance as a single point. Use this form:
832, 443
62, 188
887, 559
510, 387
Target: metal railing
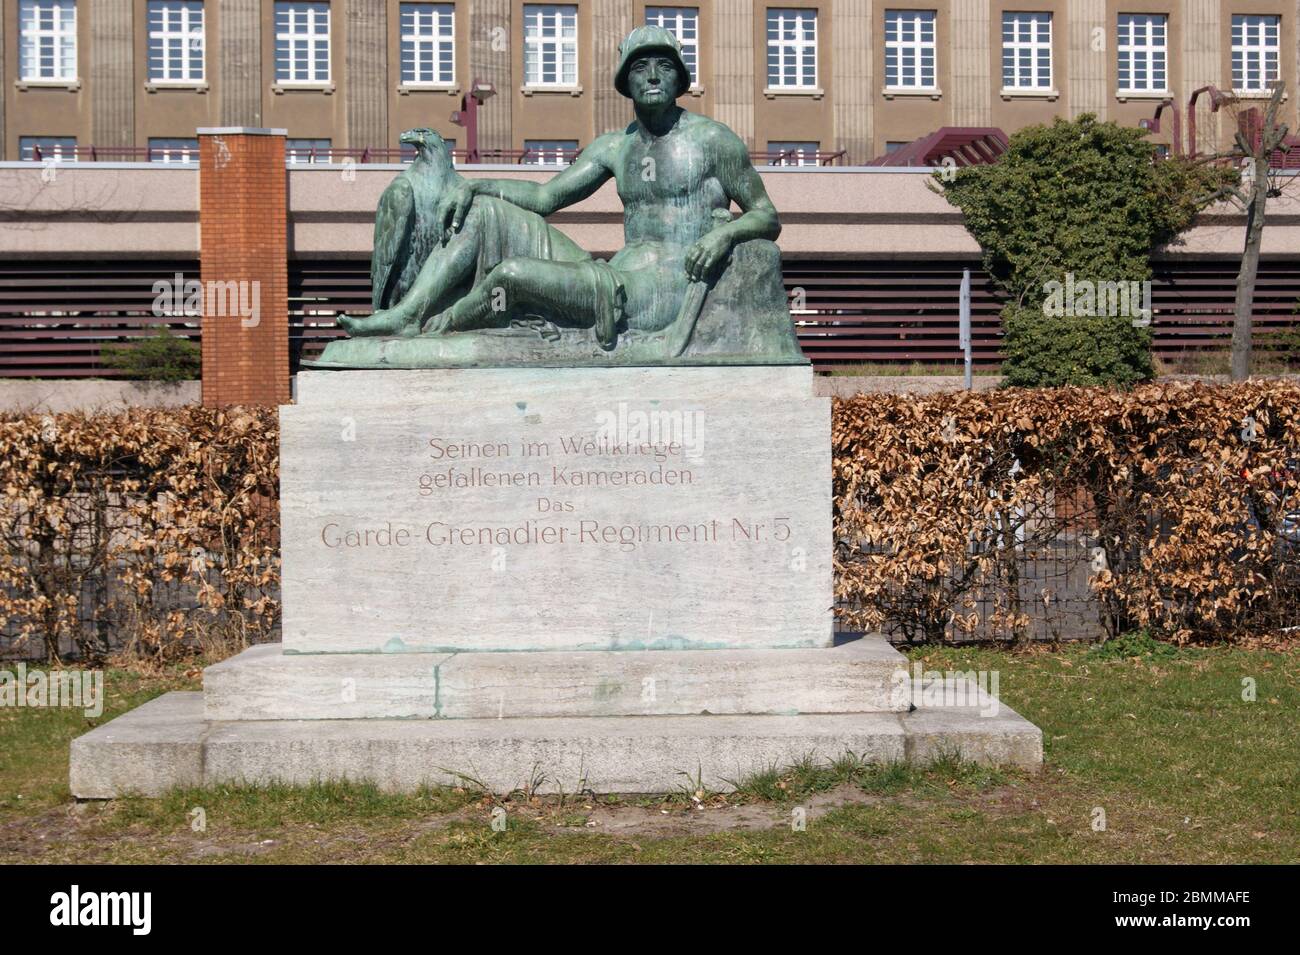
788, 157
374, 154
797, 157
159, 154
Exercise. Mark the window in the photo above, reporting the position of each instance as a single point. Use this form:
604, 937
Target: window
1255, 51
307, 150
1142, 51
792, 153
46, 148
175, 41
683, 23
909, 49
302, 43
550, 45
1027, 51
550, 151
173, 150
428, 44
47, 47
791, 49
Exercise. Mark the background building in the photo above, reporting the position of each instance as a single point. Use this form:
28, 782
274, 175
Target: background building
872, 258
847, 79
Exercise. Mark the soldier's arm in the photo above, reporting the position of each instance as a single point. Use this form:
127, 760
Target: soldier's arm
589, 171
745, 188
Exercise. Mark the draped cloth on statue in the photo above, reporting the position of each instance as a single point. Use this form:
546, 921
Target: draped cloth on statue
505, 231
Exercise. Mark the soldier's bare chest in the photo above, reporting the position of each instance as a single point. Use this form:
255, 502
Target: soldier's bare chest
671, 167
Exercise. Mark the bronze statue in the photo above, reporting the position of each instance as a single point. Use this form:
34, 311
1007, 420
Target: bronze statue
498, 285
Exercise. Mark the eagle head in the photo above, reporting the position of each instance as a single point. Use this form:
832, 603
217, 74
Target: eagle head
424, 140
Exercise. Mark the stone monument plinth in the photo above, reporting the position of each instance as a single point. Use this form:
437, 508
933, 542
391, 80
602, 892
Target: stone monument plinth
575, 509
459, 603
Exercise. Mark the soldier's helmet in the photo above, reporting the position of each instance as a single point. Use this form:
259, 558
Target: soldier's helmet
650, 39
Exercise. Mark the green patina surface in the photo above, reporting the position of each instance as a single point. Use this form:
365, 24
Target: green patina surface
437, 691
468, 273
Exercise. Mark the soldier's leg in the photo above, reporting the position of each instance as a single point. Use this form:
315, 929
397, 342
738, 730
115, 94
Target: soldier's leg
654, 295
446, 271
654, 279
584, 294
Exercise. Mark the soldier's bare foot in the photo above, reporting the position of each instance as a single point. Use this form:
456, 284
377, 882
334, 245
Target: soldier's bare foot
383, 322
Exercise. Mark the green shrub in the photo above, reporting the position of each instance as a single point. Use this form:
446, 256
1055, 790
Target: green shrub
1084, 201
1047, 351
160, 357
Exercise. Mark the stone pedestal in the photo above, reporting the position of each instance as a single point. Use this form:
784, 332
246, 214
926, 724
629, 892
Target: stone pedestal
566, 509
610, 578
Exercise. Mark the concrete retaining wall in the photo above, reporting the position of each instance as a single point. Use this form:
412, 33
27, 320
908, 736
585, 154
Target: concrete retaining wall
845, 386
24, 395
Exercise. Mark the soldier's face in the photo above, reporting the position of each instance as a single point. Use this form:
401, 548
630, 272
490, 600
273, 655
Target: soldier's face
653, 81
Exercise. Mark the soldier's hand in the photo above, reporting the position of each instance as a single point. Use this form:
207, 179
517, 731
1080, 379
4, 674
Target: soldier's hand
453, 207
706, 255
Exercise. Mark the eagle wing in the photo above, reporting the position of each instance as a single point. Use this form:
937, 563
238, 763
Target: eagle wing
394, 223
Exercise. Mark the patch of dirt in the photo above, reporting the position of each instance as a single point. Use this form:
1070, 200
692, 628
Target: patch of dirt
56, 833
703, 818
18, 836
212, 850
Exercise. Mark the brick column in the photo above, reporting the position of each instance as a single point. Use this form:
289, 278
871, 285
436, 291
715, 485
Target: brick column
243, 257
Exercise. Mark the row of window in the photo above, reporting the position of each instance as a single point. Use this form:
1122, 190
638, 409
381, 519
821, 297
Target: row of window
174, 150
48, 45
1142, 51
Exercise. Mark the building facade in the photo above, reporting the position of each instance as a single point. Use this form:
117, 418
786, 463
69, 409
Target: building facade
794, 78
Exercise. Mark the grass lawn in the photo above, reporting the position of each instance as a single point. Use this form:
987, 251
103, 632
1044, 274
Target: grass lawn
1163, 743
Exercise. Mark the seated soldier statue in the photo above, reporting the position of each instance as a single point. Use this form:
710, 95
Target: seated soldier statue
692, 282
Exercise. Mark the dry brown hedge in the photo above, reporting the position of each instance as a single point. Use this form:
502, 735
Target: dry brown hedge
160, 524
1172, 492
163, 525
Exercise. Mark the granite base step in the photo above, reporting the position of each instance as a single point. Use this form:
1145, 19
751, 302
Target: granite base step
263, 683
168, 743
